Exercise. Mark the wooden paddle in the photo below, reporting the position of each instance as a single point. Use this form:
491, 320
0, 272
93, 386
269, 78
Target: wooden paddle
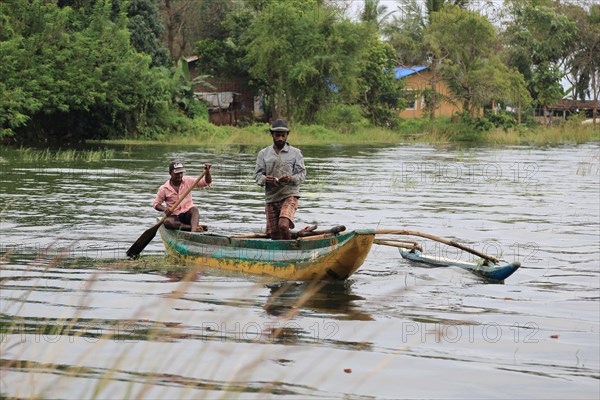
436, 238
147, 236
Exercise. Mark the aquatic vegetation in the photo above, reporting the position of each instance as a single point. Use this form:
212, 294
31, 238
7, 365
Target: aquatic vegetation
28, 154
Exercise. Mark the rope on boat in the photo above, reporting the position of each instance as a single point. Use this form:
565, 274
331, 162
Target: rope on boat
432, 237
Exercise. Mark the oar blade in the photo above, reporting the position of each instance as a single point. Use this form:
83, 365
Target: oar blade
142, 242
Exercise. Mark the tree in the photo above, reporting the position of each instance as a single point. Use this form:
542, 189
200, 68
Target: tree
539, 41
174, 12
145, 24
69, 74
464, 42
381, 92
583, 62
303, 55
406, 33
146, 30
374, 13
407, 27
188, 21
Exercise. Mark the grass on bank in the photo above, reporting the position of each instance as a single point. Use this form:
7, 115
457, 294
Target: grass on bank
439, 131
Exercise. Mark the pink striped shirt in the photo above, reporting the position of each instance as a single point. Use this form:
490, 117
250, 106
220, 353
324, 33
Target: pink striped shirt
170, 195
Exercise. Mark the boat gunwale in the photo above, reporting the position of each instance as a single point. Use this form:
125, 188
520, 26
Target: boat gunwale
215, 239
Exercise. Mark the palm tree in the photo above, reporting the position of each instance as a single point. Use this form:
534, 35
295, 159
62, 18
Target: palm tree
374, 12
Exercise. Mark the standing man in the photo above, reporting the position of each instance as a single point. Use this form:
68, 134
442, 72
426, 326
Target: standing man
280, 169
185, 217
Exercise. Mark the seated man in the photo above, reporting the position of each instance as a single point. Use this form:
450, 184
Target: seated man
185, 217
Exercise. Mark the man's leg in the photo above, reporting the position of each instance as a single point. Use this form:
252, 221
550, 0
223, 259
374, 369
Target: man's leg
284, 229
194, 216
187, 221
286, 216
172, 222
272, 214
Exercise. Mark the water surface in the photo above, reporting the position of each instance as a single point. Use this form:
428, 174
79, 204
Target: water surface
81, 321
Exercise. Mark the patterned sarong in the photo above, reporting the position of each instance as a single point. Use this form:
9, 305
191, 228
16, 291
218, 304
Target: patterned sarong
285, 208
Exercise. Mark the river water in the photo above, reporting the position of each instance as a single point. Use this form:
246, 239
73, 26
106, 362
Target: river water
79, 320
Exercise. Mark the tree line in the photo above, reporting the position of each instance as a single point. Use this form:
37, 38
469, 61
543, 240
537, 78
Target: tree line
80, 69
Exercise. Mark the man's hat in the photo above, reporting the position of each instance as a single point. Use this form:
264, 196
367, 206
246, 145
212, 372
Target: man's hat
279, 126
176, 167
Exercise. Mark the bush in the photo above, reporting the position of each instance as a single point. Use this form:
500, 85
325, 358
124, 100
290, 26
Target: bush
197, 109
385, 117
412, 126
343, 118
502, 119
318, 132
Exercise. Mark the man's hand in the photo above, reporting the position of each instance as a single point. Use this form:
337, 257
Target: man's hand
285, 179
163, 209
271, 179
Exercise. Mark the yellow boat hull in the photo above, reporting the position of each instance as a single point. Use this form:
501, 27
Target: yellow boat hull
326, 258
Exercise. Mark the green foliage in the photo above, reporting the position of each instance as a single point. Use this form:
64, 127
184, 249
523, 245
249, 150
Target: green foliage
215, 58
299, 51
184, 90
79, 69
538, 39
72, 74
320, 133
146, 29
342, 118
412, 126
197, 109
407, 29
463, 41
466, 128
381, 92
501, 119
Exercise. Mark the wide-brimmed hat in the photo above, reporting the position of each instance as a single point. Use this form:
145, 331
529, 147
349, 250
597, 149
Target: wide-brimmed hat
176, 167
279, 126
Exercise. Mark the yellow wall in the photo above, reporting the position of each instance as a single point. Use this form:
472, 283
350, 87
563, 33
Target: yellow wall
421, 81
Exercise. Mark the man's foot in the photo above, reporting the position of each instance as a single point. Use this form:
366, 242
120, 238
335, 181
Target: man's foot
306, 231
201, 228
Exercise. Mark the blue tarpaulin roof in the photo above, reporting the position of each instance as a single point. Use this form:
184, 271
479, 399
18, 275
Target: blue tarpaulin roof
403, 72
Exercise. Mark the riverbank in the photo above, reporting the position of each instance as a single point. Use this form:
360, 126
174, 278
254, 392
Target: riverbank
438, 133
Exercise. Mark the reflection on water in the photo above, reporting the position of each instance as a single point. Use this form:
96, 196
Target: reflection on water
78, 320
334, 299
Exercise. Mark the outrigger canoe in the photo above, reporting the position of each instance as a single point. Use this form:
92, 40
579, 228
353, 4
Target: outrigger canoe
322, 257
486, 269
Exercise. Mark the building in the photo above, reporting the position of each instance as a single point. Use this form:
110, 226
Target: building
418, 82
230, 102
564, 108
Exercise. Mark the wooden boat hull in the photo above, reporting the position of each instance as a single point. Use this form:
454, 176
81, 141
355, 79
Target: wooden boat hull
493, 272
325, 258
